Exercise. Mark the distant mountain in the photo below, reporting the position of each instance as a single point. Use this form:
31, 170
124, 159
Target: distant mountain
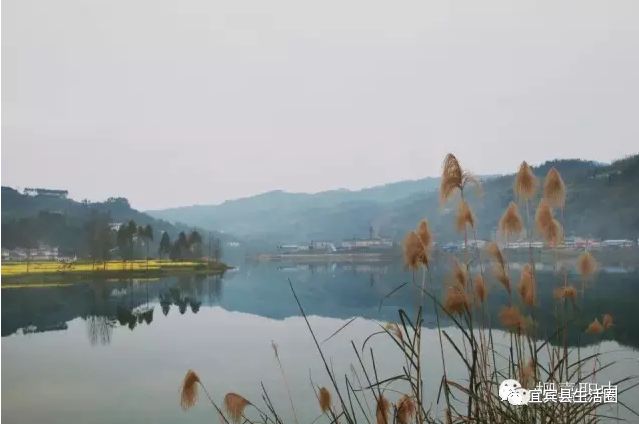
287, 216
603, 201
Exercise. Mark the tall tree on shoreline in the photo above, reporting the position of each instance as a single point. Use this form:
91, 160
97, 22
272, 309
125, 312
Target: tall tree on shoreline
165, 245
146, 235
194, 242
99, 238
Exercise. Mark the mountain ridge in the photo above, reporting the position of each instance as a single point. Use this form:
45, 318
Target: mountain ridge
394, 208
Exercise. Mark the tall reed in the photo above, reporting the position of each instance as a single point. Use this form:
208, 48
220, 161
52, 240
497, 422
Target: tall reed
474, 397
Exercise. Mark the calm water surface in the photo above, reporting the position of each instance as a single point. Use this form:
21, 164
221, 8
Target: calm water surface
115, 352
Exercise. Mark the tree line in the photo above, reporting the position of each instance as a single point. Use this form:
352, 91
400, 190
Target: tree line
98, 239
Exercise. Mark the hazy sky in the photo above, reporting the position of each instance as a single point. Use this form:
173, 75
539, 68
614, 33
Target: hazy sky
175, 102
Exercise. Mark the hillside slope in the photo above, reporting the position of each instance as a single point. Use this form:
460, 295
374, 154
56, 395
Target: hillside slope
61, 221
602, 201
300, 216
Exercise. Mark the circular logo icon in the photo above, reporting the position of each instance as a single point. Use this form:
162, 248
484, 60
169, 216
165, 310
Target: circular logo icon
512, 392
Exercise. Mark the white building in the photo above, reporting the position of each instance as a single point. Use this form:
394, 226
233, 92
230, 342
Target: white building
373, 243
323, 245
617, 243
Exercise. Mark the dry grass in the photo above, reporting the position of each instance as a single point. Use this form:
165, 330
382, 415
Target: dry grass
382, 410
547, 226
456, 300
465, 216
525, 185
595, 327
481, 291
189, 392
417, 245
510, 223
554, 189
527, 286
473, 397
406, 409
499, 265
607, 321
235, 405
565, 293
587, 265
324, 400
454, 178
510, 317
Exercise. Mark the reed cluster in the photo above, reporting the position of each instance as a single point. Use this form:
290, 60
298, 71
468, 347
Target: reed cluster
474, 398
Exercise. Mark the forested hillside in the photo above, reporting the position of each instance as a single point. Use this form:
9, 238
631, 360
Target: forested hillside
75, 227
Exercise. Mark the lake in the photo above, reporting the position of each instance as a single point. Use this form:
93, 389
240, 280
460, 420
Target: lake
116, 351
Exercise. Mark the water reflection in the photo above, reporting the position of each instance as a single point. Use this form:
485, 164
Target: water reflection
104, 305
99, 329
328, 290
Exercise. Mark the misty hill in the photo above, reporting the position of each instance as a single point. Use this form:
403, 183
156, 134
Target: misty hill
298, 216
59, 221
602, 202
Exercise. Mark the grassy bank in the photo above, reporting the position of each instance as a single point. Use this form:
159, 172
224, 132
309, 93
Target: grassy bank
40, 272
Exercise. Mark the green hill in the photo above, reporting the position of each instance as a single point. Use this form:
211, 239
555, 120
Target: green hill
62, 222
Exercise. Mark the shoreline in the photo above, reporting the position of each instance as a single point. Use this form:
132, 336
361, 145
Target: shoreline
47, 272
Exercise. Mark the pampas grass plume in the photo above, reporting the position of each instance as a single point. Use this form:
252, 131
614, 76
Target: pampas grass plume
480, 288
554, 189
595, 327
527, 375
456, 301
587, 264
527, 286
452, 177
564, 293
510, 222
414, 254
324, 399
499, 267
493, 250
547, 225
381, 412
525, 184
607, 321
235, 405
406, 409
459, 275
425, 236
510, 317
189, 390
394, 329
465, 216
543, 216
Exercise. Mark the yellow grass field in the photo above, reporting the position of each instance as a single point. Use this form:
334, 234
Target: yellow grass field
10, 269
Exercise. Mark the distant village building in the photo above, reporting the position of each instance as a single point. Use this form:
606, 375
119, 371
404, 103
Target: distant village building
371, 243
617, 243
60, 194
323, 245
41, 253
292, 248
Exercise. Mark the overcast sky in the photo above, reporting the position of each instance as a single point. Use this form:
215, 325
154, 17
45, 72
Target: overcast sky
176, 102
